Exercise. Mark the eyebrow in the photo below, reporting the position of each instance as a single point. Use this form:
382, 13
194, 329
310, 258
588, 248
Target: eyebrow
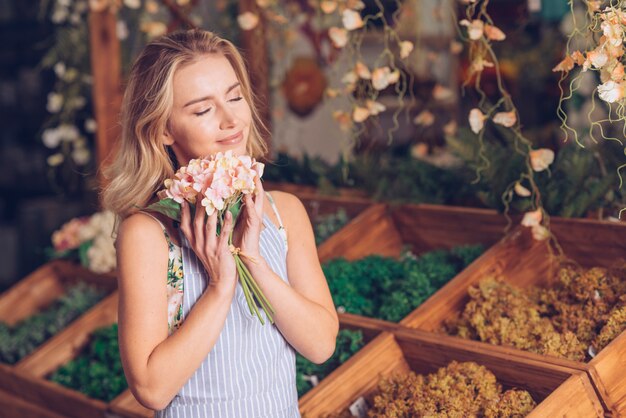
201, 99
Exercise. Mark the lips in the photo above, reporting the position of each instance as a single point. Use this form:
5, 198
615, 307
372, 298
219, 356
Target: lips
233, 139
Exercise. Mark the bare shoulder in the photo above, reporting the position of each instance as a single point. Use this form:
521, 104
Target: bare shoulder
139, 227
289, 206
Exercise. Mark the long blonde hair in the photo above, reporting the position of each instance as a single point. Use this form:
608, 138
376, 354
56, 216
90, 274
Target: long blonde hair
142, 161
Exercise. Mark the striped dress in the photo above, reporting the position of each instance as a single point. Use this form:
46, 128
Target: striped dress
250, 372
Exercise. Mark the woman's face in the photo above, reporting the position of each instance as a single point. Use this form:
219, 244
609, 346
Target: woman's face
209, 112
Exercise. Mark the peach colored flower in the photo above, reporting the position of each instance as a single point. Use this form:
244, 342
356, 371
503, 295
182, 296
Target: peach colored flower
338, 36
328, 6
393, 76
578, 57
425, 118
153, 29
374, 107
248, 20
611, 91
359, 114
355, 4
521, 190
405, 48
332, 93
532, 218
351, 19
597, 58
477, 120
541, 159
350, 77
493, 33
441, 93
475, 28
506, 119
380, 78
565, 65
362, 71
343, 119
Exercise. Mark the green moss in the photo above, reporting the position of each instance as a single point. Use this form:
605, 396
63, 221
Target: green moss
20, 340
98, 372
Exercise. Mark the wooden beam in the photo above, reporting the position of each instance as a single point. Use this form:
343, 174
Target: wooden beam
106, 69
255, 49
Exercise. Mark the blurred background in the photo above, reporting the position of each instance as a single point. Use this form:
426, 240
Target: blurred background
369, 96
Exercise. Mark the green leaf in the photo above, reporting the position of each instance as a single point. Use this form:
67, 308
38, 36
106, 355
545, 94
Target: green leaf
82, 253
168, 207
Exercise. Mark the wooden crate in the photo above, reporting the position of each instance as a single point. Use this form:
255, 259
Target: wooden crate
525, 262
28, 379
39, 289
560, 391
385, 230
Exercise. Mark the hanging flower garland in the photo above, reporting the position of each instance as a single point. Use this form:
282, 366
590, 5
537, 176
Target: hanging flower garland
337, 29
596, 45
70, 129
480, 32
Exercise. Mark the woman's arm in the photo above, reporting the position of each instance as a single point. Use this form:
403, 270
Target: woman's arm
304, 309
157, 366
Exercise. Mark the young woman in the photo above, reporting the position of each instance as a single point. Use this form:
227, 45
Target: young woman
189, 345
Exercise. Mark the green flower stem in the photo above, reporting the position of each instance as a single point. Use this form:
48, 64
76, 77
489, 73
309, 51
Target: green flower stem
245, 276
246, 292
251, 289
255, 288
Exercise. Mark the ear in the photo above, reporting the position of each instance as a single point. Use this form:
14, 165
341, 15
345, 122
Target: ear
167, 137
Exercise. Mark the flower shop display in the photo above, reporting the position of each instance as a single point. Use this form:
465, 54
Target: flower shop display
389, 289
217, 184
97, 372
576, 318
562, 323
310, 374
88, 239
19, 340
458, 389
324, 226
388, 378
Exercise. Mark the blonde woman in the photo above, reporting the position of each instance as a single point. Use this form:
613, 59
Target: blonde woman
189, 345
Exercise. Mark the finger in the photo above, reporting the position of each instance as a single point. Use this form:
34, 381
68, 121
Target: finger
198, 224
211, 230
185, 220
259, 196
227, 227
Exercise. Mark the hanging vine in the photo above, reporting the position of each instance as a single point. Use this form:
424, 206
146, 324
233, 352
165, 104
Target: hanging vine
596, 45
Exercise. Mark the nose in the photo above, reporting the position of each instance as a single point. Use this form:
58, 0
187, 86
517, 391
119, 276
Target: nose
227, 120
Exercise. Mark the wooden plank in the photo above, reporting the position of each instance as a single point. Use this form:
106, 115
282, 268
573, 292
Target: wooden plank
126, 405
12, 407
423, 352
608, 374
28, 379
107, 96
575, 398
372, 232
382, 356
255, 50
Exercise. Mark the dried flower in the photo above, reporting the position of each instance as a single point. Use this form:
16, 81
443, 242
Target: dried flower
248, 20
541, 159
476, 120
338, 36
507, 119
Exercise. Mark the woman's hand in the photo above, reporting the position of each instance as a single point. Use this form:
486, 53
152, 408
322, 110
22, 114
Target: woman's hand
250, 223
212, 250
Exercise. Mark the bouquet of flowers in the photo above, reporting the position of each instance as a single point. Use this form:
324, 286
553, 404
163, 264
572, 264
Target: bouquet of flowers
218, 184
88, 239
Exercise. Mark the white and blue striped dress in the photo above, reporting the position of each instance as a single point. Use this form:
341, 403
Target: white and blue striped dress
250, 372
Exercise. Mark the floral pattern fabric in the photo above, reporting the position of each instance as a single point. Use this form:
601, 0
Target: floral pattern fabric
174, 285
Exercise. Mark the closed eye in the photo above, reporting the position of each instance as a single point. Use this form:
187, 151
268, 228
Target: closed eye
236, 99
203, 112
